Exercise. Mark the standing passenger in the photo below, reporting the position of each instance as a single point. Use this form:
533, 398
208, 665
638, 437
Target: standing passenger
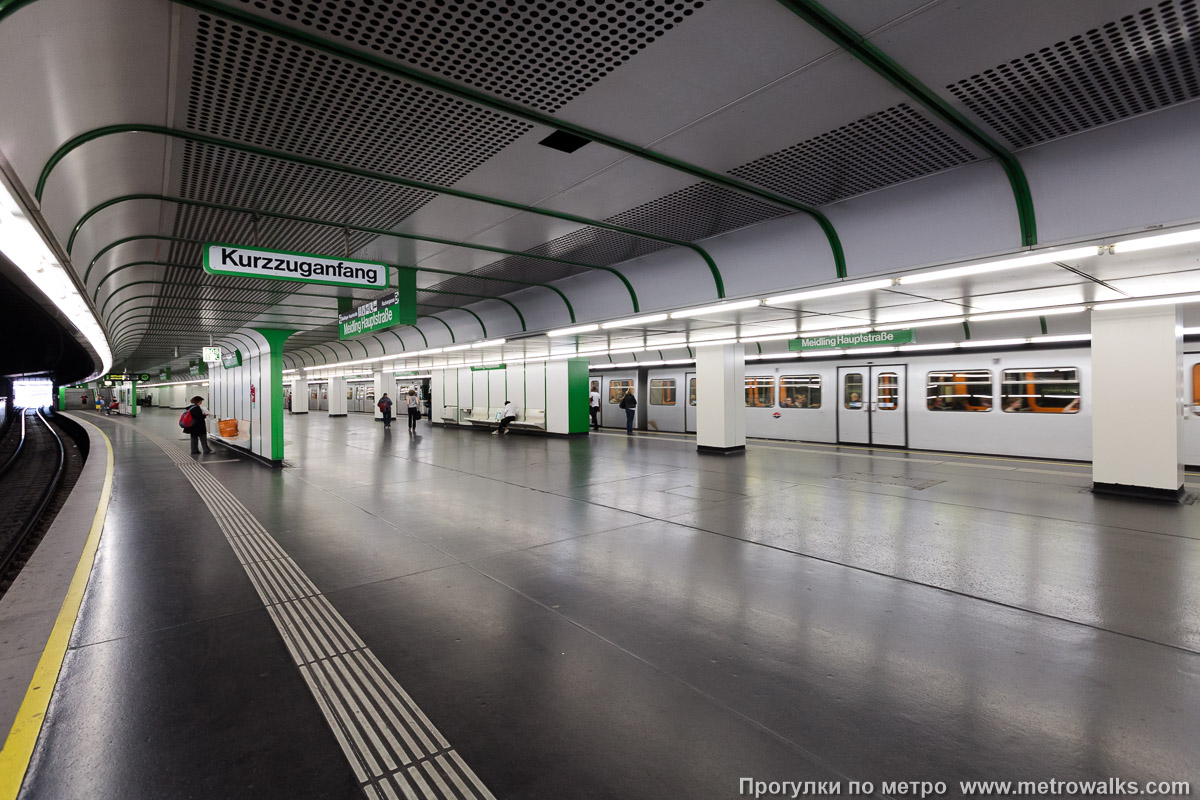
629, 403
385, 405
594, 404
198, 429
414, 410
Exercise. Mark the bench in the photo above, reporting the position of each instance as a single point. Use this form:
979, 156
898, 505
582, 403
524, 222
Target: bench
483, 417
532, 418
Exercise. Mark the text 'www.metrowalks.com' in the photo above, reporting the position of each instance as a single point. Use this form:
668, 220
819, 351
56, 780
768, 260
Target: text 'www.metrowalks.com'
1109, 787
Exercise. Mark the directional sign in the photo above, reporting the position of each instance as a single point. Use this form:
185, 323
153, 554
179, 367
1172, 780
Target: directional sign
256, 262
397, 308
828, 341
123, 377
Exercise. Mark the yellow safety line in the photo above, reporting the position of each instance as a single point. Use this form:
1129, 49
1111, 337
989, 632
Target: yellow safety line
18, 747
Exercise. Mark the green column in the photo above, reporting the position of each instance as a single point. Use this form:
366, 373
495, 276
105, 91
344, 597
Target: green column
275, 338
578, 416
133, 399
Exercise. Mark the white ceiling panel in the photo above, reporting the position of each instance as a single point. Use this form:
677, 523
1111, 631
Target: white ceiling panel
723, 53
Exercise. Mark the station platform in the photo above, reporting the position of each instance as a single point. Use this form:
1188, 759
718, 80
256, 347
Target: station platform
459, 615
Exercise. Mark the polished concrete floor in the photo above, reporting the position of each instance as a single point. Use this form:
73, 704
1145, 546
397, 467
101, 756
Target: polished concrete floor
618, 617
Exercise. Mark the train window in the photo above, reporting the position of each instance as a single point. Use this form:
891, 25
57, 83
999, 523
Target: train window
800, 391
662, 392
760, 392
962, 390
852, 390
1040, 391
692, 392
617, 390
887, 392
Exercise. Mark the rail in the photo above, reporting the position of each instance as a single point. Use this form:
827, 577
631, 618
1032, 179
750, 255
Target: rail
31, 521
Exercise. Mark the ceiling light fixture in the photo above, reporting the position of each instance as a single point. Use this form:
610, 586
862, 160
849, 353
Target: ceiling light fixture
717, 309
1153, 301
490, 343
633, 322
1032, 260
929, 323
844, 288
1034, 312
573, 331
1152, 242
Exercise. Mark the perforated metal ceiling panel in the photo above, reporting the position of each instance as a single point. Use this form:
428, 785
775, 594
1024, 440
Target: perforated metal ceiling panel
894, 145
538, 54
260, 89
1127, 66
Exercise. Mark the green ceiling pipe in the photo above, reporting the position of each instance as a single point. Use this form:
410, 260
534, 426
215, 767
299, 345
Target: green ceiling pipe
555, 289
529, 115
357, 229
280, 155
850, 40
9, 6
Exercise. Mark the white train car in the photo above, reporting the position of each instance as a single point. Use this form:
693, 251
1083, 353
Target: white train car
1032, 402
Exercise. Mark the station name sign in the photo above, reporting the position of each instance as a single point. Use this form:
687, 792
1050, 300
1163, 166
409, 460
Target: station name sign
489, 367
832, 341
380, 313
122, 377
256, 262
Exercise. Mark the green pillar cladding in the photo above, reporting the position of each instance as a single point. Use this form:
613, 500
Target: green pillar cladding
133, 399
275, 338
578, 415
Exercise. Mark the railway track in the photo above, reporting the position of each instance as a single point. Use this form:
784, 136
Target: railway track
29, 478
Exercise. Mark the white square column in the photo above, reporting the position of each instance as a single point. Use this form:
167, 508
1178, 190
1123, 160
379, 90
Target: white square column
1137, 402
720, 399
380, 388
178, 396
337, 397
299, 396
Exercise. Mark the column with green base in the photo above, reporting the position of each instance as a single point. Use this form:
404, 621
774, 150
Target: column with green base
567, 396
269, 388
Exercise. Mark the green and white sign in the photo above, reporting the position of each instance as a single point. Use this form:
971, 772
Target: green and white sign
380, 313
833, 341
122, 377
210, 354
232, 360
257, 262
489, 367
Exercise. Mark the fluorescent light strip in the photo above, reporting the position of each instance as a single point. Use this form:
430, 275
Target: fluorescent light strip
21, 242
1036, 312
490, 343
712, 342
844, 288
1069, 337
633, 322
904, 348
456, 348
1154, 301
717, 309
823, 331
1152, 242
1032, 260
573, 331
992, 342
779, 337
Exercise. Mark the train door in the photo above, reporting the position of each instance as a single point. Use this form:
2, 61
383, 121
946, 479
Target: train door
689, 408
871, 405
596, 384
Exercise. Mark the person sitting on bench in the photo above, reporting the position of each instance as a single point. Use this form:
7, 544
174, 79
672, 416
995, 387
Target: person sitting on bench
506, 417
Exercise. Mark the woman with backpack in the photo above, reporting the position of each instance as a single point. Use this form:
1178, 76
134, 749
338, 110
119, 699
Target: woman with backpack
192, 422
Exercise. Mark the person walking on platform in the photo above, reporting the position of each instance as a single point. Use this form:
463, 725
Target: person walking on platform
506, 417
198, 429
594, 404
629, 403
385, 405
414, 410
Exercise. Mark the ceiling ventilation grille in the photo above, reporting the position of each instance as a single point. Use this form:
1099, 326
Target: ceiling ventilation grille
542, 54
891, 146
259, 89
1139, 63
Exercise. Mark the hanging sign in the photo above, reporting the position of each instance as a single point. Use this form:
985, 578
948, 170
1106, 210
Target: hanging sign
256, 262
830, 341
490, 366
383, 312
122, 377
232, 360
165, 374
210, 354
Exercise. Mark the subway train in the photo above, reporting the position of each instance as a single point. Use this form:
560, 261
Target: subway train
1033, 403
